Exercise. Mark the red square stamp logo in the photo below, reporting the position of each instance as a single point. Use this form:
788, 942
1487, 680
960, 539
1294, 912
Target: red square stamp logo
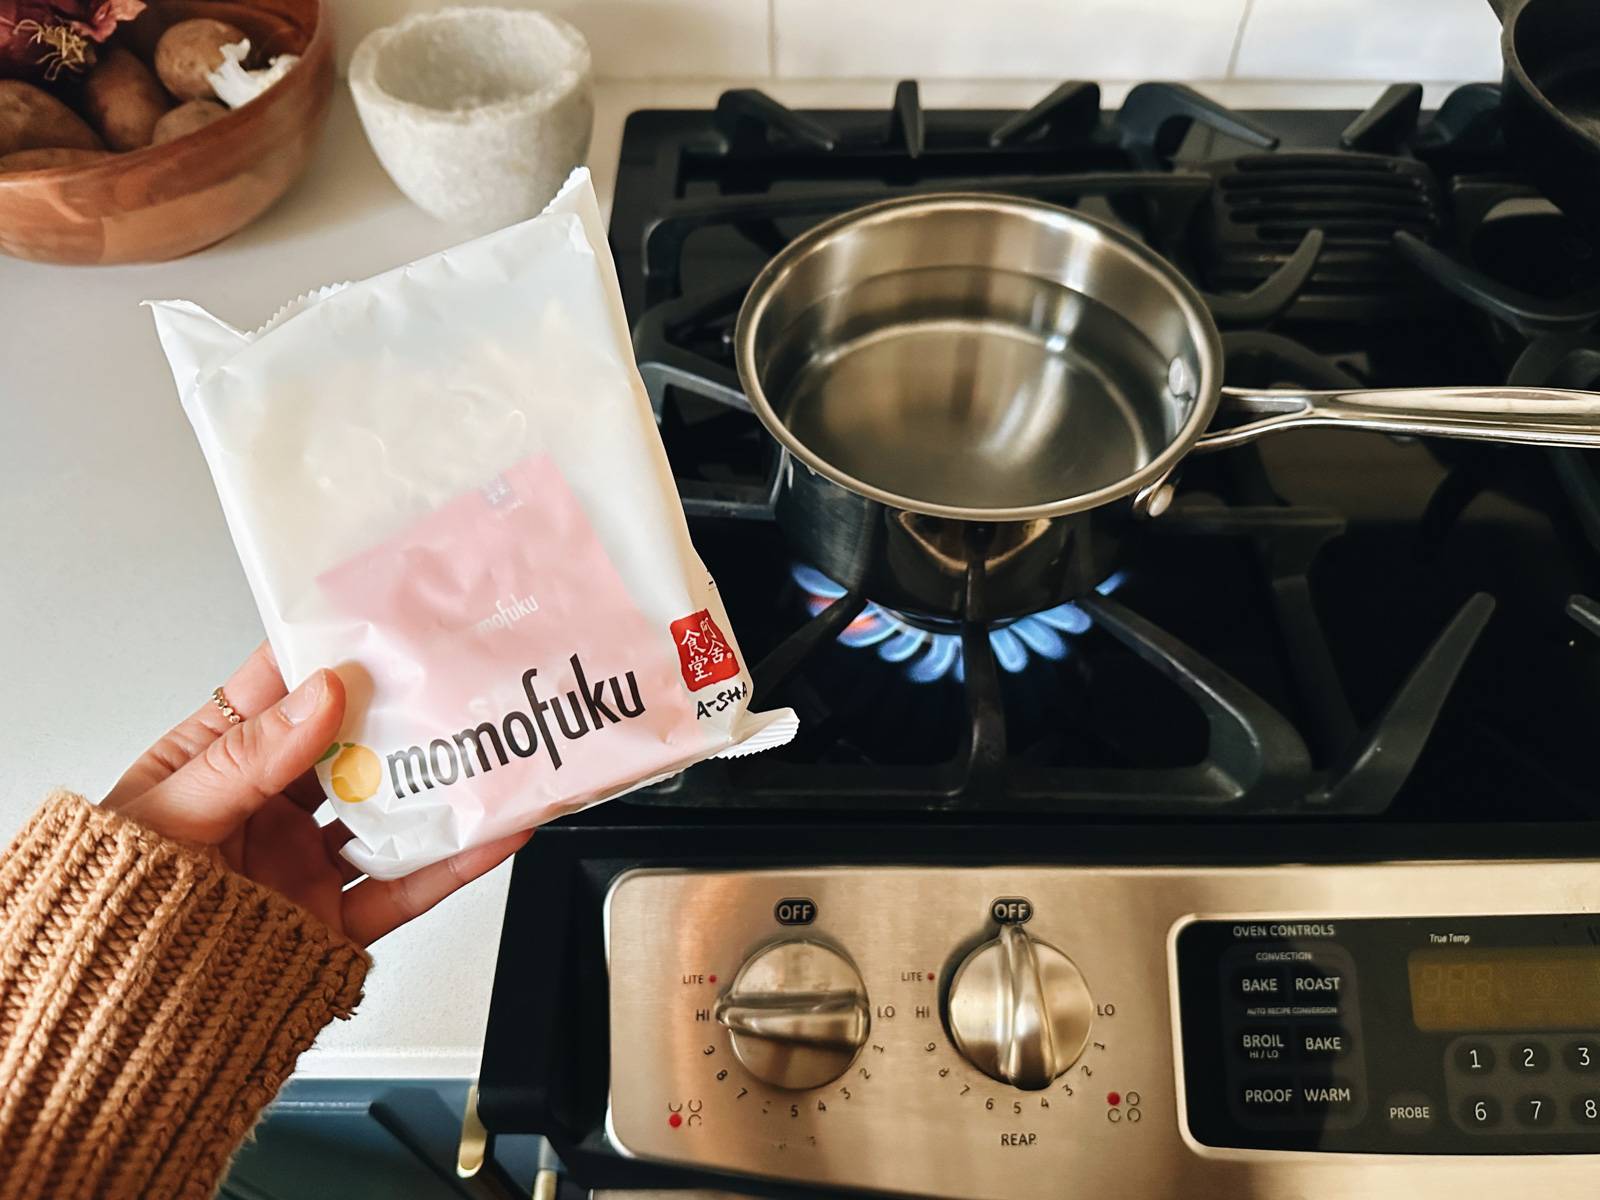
703, 653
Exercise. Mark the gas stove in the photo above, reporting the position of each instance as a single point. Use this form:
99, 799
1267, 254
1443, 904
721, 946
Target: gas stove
1265, 858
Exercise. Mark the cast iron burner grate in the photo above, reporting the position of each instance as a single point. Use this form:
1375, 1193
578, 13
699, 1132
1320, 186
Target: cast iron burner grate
1325, 247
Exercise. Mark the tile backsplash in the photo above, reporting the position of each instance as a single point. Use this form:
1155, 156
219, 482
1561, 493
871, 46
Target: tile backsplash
1108, 40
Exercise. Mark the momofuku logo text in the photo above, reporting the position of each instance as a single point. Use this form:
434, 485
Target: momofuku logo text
508, 612
588, 708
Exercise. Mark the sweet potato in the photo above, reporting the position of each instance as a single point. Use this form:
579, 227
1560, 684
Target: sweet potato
186, 118
124, 100
33, 119
188, 51
55, 156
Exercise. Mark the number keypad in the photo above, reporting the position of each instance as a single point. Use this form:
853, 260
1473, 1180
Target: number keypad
1514, 1083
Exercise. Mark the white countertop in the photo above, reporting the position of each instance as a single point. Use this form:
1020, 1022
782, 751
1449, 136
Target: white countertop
121, 602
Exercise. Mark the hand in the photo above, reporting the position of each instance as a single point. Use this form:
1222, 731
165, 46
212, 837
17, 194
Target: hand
249, 791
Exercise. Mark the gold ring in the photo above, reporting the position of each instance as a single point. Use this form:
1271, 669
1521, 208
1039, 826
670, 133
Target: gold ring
228, 710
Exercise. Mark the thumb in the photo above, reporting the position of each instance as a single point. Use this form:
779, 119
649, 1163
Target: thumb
214, 793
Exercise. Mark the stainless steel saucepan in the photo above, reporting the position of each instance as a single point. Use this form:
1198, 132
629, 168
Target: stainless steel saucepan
972, 391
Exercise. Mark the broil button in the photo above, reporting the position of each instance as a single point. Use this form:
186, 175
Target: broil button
1262, 1043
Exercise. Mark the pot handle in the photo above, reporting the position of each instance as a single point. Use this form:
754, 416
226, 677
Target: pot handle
1529, 416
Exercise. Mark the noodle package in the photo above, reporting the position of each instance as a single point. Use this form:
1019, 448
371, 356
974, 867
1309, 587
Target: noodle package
446, 484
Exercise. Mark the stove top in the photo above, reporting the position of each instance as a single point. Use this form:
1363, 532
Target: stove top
1331, 623
1343, 651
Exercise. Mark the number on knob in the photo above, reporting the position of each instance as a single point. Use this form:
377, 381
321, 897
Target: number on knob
1020, 1010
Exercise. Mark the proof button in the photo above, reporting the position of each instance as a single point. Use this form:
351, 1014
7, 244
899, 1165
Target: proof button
1267, 1097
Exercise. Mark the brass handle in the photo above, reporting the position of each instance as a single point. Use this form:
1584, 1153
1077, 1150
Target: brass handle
476, 1141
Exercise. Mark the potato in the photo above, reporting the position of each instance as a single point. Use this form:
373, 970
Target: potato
191, 49
123, 100
186, 118
33, 119
55, 156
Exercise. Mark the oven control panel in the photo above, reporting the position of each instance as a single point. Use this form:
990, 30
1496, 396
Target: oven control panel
1440, 1035
997, 1031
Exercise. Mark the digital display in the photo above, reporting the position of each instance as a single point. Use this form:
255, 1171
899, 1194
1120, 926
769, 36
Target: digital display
1454, 990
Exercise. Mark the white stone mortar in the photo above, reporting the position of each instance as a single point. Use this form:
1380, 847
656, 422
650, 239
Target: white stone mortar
478, 114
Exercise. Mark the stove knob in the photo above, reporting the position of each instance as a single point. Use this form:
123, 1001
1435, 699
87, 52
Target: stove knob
1019, 1010
797, 1014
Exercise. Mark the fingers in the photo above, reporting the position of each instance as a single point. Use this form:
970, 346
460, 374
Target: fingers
380, 906
306, 791
283, 851
334, 836
235, 774
250, 689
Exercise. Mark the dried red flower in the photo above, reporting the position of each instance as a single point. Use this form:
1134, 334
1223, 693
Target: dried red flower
41, 39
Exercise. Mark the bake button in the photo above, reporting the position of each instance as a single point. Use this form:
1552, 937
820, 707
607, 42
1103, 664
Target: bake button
1260, 985
1475, 1058
1480, 1112
1328, 1096
1314, 985
1409, 1112
1582, 1056
1586, 1110
1531, 1058
1267, 1097
1262, 1043
1322, 1043
1535, 1110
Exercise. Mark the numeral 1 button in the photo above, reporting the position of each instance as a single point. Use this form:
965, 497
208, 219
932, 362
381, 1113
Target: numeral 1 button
1475, 1058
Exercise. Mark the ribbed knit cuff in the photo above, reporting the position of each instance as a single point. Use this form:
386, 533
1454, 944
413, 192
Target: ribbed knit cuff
151, 1003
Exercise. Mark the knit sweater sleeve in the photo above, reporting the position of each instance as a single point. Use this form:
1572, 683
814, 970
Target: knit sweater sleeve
151, 1003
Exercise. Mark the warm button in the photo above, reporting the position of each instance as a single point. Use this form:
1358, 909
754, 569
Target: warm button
1328, 1096
1259, 985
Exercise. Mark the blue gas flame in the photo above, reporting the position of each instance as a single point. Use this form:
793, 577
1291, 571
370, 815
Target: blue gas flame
929, 656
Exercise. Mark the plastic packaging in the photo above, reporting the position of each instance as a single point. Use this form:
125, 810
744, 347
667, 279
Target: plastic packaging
445, 483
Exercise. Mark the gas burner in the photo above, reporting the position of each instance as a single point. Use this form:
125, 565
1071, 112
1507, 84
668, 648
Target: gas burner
930, 650
1297, 710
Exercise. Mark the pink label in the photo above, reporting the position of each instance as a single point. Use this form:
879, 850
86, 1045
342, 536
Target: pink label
511, 676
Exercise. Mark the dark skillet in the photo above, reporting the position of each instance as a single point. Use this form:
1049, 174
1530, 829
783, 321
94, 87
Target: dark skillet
1551, 98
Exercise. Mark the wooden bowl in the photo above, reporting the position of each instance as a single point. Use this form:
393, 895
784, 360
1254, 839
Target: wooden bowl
166, 201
